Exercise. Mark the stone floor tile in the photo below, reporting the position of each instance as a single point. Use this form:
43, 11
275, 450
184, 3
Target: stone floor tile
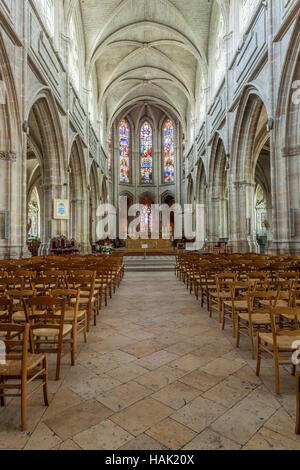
42, 438
144, 348
198, 414
143, 442
76, 419
210, 440
124, 396
176, 395
104, 436
171, 434
141, 416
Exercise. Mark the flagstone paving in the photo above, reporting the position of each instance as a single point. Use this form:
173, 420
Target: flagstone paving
157, 373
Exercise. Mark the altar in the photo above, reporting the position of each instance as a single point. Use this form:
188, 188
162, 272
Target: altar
160, 245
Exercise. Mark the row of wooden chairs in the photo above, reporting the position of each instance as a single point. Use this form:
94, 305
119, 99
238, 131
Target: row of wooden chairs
262, 304
42, 312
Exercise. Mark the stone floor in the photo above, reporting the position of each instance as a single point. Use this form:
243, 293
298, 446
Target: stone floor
157, 373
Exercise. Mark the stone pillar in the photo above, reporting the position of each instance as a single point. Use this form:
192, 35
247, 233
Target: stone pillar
12, 233
242, 217
51, 227
217, 223
286, 206
80, 224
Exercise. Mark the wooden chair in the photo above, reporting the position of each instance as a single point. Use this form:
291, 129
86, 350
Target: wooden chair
103, 284
238, 302
43, 284
279, 344
295, 298
77, 318
6, 309
15, 283
257, 316
224, 291
17, 296
49, 333
21, 367
59, 276
88, 295
210, 284
298, 403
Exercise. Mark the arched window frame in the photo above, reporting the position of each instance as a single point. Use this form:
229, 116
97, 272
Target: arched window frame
164, 158
142, 182
246, 11
220, 50
91, 101
128, 155
74, 65
46, 9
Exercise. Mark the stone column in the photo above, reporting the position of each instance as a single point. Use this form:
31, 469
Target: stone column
51, 227
12, 233
242, 217
80, 224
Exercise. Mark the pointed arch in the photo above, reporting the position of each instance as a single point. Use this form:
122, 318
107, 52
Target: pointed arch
44, 109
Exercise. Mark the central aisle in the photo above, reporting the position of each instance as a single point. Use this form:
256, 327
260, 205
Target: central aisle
157, 373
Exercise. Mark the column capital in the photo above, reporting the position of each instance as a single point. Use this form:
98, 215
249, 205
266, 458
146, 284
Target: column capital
239, 184
8, 156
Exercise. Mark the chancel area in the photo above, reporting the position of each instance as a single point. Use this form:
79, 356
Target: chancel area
150, 225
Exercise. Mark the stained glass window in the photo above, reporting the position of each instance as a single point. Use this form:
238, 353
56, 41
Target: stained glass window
124, 152
168, 150
146, 154
109, 162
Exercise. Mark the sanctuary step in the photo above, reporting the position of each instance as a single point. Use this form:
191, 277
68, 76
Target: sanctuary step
151, 263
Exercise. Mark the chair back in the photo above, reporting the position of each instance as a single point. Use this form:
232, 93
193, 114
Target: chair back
15, 338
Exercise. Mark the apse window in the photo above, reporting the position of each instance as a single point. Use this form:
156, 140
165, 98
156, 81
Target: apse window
168, 152
146, 154
124, 152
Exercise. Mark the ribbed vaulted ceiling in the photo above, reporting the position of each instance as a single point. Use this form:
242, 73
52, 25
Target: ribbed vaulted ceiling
146, 50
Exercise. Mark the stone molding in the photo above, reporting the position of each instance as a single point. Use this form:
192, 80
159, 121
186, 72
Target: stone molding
8, 156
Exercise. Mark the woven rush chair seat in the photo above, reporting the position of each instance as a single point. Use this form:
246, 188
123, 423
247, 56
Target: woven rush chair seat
238, 304
257, 318
13, 367
20, 316
69, 313
284, 343
52, 333
222, 295
291, 317
211, 286
280, 303
83, 300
